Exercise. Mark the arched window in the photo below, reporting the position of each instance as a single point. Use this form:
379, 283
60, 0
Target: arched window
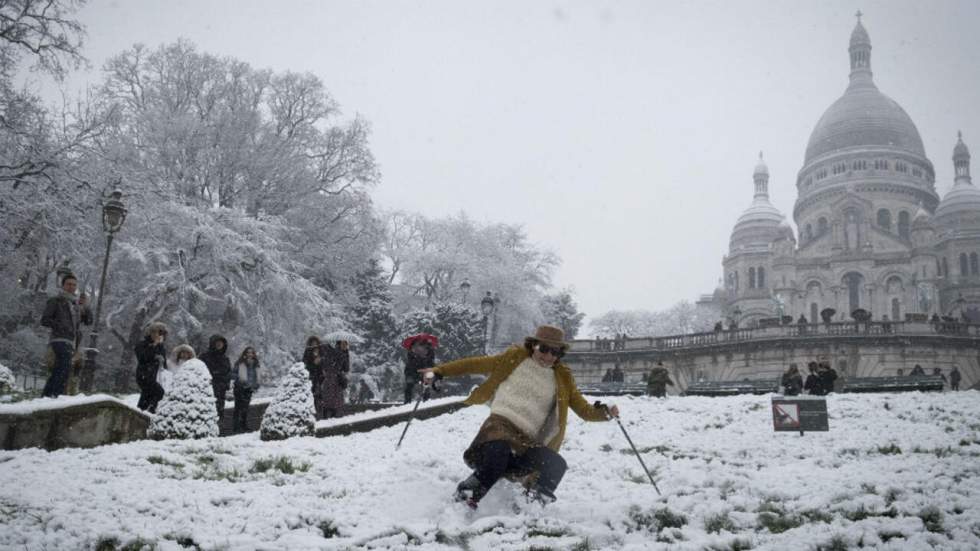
896, 309
964, 265
761, 277
853, 281
822, 226
903, 224
885, 219
974, 267
751, 278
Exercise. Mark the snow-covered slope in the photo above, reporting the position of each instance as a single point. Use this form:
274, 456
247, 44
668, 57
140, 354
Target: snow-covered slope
894, 472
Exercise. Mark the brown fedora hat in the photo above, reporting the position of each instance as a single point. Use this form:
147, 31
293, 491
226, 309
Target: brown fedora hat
549, 334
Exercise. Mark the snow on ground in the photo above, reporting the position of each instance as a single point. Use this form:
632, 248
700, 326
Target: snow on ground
898, 471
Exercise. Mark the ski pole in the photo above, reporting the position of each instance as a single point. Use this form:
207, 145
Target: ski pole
412, 416
630, 440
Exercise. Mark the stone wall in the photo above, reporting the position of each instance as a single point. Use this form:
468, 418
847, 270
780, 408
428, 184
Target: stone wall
74, 426
758, 354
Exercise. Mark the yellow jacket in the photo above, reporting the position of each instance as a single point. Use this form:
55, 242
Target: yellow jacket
499, 367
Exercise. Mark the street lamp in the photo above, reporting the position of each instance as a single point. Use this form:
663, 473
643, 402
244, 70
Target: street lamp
113, 216
464, 288
487, 306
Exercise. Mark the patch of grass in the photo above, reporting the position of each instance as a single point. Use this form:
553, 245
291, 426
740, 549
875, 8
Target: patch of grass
888, 535
816, 515
654, 521
547, 532
836, 543
329, 530
605, 448
112, 543
869, 488
737, 544
777, 523
932, 517
283, 464
892, 495
158, 460
890, 449
714, 524
862, 513
756, 407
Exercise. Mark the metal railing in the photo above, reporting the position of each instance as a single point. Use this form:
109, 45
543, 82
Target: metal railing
810, 330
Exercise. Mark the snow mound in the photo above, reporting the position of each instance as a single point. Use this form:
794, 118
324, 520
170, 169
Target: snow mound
291, 413
187, 410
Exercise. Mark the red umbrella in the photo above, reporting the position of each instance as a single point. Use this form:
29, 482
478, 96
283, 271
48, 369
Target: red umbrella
431, 339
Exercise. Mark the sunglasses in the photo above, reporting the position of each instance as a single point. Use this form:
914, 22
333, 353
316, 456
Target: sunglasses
555, 351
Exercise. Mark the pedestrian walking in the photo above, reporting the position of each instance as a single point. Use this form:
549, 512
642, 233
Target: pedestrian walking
246, 380
151, 357
954, 378
336, 369
313, 360
63, 314
792, 381
530, 392
658, 381
421, 354
219, 365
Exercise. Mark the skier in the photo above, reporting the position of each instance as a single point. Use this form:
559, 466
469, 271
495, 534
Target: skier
530, 392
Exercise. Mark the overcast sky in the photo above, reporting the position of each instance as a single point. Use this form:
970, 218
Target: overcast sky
621, 135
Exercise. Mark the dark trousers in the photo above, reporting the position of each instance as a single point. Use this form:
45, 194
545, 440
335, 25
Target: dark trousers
243, 397
495, 459
58, 381
220, 392
150, 394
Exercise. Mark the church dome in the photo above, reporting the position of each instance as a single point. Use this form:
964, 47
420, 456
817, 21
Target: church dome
863, 116
964, 198
960, 207
760, 224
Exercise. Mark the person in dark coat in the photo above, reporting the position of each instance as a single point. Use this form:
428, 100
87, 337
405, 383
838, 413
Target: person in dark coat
826, 376
336, 367
917, 371
151, 356
939, 372
792, 381
658, 380
63, 314
246, 378
216, 359
812, 379
314, 361
421, 355
608, 377
954, 378
618, 376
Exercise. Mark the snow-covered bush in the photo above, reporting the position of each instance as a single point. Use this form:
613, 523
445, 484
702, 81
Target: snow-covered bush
187, 411
291, 413
7, 381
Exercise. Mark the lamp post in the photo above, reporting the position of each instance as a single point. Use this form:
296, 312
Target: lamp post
464, 289
113, 216
487, 306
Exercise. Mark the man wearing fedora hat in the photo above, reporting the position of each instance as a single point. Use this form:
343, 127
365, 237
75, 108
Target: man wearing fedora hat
530, 392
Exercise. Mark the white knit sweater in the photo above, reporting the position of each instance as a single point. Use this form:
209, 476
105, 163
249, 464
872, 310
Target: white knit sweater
527, 399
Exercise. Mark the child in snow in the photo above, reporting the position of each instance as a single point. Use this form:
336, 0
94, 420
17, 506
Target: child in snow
530, 392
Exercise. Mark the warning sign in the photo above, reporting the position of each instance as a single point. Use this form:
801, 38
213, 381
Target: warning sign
800, 414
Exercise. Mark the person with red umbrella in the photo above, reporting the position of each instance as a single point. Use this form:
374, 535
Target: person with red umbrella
420, 354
